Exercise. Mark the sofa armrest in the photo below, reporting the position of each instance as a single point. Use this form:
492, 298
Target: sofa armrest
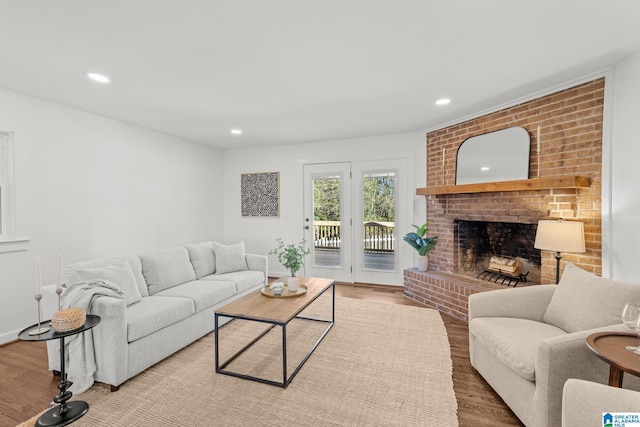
584, 402
110, 340
560, 358
526, 303
258, 263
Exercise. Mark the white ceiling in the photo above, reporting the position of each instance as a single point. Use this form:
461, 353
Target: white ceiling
292, 71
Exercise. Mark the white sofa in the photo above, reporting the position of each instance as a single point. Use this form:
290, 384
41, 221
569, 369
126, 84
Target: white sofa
526, 342
169, 302
584, 403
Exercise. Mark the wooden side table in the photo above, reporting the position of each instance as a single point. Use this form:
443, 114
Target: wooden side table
610, 347
65, 413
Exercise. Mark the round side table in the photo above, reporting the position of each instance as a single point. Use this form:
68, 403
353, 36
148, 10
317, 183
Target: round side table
610, 347
65, 413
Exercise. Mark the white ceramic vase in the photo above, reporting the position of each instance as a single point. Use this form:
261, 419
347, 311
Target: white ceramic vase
292, 284
423, 263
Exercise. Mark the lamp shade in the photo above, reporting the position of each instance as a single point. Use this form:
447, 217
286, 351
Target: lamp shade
560, 236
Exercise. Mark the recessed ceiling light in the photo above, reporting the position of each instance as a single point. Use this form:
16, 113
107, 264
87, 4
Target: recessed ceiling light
236, 131
485, 168
443, 101
98, 78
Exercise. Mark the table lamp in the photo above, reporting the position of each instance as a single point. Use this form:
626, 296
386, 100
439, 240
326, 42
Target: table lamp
560, 236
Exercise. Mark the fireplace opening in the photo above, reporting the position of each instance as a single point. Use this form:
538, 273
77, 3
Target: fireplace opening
478, 241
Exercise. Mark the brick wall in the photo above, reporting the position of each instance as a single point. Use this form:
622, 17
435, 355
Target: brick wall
570, 144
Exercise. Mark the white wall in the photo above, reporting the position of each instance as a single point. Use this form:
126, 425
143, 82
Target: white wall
625, 174
260, 234
91, 187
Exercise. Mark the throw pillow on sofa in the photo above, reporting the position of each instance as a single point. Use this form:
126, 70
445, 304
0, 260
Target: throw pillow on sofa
119, 273
230, 258
202, 258
584, 300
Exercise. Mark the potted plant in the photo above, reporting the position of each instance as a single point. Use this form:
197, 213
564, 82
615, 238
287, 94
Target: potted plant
292, 257
421, 243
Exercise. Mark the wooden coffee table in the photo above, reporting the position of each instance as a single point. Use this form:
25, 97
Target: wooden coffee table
610, 347
276, 312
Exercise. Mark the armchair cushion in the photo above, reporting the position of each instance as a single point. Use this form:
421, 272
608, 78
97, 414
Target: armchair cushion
586, 301
513, 341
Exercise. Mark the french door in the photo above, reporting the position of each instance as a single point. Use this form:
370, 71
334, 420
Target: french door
377, 212
327, 220
352, 213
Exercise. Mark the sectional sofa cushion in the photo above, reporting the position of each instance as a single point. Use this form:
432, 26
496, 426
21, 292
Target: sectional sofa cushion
242, 280
586, 301
154, 313
202, 258
229, 258
136, 266
69, 276
167, 268
204, 294
118, 272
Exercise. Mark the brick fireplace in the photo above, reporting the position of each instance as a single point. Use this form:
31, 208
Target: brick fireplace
570, 144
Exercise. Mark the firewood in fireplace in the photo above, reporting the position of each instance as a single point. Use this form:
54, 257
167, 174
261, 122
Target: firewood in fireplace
506, 270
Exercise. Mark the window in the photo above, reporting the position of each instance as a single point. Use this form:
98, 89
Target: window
10, 241
7, 207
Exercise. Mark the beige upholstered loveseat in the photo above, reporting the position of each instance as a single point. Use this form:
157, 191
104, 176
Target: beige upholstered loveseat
526, 342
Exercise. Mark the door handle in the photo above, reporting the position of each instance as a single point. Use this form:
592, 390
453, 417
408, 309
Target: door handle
306, 227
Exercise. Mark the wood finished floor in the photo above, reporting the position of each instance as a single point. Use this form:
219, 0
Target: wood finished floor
27, 387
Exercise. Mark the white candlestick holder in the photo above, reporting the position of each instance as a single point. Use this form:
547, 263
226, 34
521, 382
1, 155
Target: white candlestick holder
59, 292
40, 329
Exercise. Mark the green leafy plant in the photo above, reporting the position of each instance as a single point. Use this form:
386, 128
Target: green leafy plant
419, 241
291, 256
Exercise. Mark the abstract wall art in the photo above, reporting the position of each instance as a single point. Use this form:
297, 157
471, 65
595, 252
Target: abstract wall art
260, 194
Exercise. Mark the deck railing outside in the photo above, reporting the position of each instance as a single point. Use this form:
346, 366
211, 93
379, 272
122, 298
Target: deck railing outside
378, 236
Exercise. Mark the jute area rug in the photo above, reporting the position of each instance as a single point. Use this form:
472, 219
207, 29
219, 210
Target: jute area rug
380, 365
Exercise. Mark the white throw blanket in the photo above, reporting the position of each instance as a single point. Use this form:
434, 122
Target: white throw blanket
80, 360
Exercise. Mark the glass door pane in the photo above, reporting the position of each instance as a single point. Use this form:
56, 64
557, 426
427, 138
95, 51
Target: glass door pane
378, 222
326, 220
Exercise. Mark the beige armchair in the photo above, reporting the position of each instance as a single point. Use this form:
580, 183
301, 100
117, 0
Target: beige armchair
585, 402
526, 342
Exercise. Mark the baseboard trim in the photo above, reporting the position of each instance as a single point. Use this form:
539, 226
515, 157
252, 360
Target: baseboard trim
9, 338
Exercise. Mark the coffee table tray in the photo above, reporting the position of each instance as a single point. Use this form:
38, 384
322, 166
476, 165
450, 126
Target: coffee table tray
302, 289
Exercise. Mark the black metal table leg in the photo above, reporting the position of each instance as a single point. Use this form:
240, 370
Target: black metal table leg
65, 413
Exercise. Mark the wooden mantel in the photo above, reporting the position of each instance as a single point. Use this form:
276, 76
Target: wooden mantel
567, 181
